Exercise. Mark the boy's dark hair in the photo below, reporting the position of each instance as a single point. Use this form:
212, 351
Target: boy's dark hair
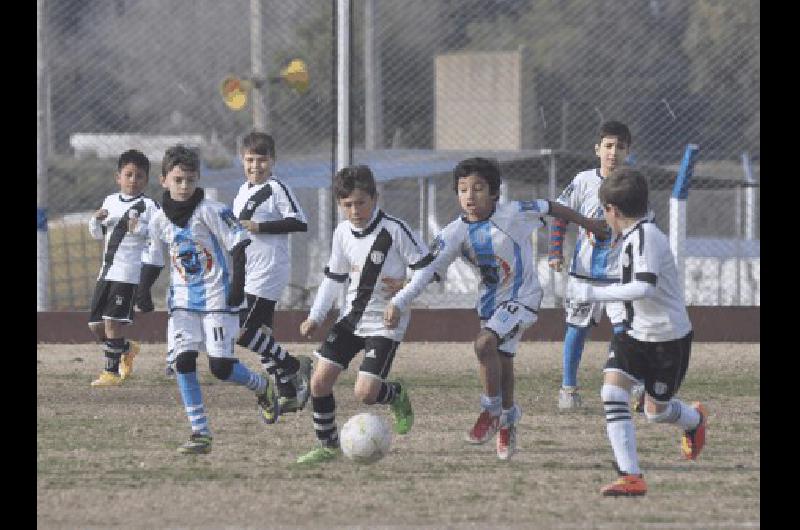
135, 157
351, 178
180, 155
259, 143
486, 168
625, 188
615, 128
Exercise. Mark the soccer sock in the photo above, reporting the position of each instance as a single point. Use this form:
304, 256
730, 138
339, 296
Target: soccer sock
620, 429
324, 417
573, 349
193, 402
679, 413
512, 415
388, 392
276, 361
114, 348
493, 405
244, 376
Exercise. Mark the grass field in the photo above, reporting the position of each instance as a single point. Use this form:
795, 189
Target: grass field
106, 457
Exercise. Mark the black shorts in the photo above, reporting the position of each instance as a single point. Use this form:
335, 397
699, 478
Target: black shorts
660, 365
259, 312
112, 301
341, 345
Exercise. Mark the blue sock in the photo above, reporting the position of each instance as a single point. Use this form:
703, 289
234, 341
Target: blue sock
573, 349
246, 377
189, 386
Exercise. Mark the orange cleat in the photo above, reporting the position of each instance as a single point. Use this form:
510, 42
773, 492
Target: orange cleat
693, 441
485, 427
625, 486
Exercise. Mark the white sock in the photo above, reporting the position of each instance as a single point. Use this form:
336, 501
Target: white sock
687, 418
493, 405
512, 415
620, 429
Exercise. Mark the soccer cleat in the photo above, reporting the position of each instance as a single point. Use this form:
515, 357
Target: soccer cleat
626, 485
402, 411
126, 359
692, 441
107, 379
318, 455
506, 441
568, 398
485, 427
198, 444
637, 398
268, 404
302, 384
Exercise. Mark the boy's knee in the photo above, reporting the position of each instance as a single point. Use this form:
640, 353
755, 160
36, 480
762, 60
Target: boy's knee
485, 344
221, 367
186, 362
364, 395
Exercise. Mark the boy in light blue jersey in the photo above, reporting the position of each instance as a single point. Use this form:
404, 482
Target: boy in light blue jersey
496, 239
593, 261
206, 246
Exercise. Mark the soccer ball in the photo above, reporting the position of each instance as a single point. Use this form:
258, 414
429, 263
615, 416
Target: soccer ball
366, 438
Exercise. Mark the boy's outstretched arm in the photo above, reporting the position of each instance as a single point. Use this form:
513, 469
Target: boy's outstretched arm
597, 226
147, 278
643, 286
281, 226
323, 301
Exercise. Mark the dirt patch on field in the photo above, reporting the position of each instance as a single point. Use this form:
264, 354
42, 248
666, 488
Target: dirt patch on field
106, 457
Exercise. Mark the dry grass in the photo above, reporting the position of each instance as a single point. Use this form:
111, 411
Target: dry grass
106, 457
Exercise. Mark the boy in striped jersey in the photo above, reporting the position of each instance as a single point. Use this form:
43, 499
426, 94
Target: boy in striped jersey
496, 239
269, 211
206, 246
655, 347
127, 260
593, 261
370, 253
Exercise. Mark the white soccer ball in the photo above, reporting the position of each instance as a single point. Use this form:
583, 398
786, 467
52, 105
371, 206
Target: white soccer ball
365, 438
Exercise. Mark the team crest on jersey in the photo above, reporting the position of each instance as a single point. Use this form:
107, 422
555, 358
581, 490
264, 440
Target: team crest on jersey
250, 205
118, 299
376, 256
190, 259
659, 387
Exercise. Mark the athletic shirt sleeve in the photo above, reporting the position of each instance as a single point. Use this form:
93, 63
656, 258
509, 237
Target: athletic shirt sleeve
223, 224
286, 202
414, 252
646, 264
338, 268
571, 194
153, 252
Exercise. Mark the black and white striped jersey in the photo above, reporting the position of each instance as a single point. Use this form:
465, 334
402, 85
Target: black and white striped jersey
268, 261
123, 251
384, 249
645, 256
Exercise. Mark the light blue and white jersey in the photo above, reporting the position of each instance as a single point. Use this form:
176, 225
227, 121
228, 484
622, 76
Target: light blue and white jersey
501, 248
592, 259
199, 255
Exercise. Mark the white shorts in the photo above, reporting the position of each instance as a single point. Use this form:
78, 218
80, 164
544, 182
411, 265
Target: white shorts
584, 314
214, 333
509, 321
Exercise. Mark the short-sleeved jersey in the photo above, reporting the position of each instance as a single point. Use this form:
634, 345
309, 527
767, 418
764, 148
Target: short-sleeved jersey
384, 249
646, 256
592, 259
199, 255
124, 252
268, 263
501, 248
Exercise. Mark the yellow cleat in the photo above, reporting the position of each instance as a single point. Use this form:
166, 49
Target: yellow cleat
107, 379
126, 360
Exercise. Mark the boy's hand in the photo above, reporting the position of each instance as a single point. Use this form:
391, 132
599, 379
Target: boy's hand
252, 226
392, 285
101, 214
308, 327
133, 221
555, 263
599, 228
391, 316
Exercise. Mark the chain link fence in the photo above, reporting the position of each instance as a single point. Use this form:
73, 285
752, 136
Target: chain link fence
431, 82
